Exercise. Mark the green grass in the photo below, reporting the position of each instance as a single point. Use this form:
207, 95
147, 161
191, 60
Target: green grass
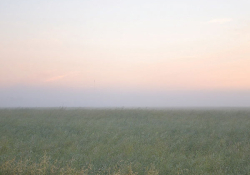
124, 141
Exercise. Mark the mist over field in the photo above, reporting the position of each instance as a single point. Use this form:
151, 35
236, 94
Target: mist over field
135, 87
62, 97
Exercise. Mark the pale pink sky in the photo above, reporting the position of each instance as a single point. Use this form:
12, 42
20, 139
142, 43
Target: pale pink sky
131, 68
156, 46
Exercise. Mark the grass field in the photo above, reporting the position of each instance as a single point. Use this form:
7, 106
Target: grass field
124, 141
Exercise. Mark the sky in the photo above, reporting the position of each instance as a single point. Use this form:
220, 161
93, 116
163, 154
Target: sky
133, 53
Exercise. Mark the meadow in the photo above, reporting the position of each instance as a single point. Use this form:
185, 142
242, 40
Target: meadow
124, 141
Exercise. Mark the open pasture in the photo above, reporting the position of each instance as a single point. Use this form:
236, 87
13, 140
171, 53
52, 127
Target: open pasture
124, 141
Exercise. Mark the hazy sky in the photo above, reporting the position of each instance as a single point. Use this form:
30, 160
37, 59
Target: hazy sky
124, 53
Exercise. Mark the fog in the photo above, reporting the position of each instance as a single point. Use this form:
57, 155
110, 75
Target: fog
59, 97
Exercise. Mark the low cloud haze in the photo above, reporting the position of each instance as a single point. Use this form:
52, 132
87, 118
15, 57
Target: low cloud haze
58, 97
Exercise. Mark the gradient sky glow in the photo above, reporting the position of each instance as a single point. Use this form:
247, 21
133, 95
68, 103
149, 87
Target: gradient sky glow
124, 47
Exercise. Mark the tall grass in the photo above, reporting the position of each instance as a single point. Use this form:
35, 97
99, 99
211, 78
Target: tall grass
124, 141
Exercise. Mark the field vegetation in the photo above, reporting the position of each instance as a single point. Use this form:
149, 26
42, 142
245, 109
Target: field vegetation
124, 141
